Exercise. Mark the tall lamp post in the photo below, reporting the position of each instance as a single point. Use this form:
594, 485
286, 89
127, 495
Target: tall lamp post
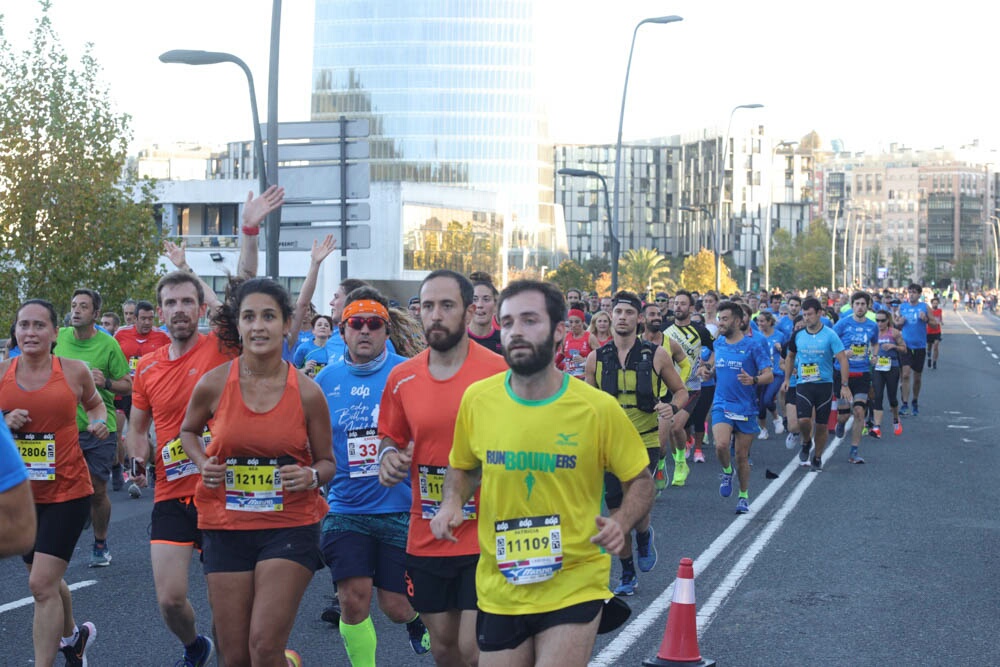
770, 204
618, 144
833, 248
722, 183
995, 227
612, 232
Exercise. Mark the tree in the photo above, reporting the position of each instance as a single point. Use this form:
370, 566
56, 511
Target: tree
602, 284
595, 266
812, 254
782, 259
67, 214
899, 265
570, 275
699, 274
644, 270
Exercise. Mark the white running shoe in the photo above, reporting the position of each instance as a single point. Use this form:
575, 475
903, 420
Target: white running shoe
764, 435
791, 441
779, 426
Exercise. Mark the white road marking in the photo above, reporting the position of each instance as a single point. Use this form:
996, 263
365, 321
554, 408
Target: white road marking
30, 600
957, 426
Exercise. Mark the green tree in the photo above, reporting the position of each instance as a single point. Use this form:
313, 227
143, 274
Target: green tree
699, 274
67, 213
899, 265
782, 259
570, 275
595, 266
812, 256
644, 270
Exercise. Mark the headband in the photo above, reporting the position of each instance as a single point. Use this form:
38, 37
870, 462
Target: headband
576, 312
628, 301
364, 306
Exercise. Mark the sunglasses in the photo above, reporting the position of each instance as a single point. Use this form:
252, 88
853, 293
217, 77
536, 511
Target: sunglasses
661, 301
358, 323
881, 319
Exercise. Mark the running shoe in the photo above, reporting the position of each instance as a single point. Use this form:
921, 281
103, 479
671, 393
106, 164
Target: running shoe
646, 554
742, 506
804, 453
779, 426
331, 614
816, 465
897, 429
117, 478
930, 363
791, 441
681, 470
904, 410
76, 655
100, 557
854, 457
204, 650
763, 435
293, 658
840, 430
915, 409
420, 637
876, 432
699, 456
660, 476
628, 584
726, 485
134, 491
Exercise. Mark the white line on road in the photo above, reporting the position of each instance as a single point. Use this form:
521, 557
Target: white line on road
957, 426
631, 633
26, 601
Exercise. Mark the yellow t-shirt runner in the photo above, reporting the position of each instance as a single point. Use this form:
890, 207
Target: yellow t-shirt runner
543, 465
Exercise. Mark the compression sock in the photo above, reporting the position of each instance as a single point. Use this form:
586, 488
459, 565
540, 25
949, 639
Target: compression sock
642, 539
69, 641
359, 642
745, 494
679, 456
628, 565
728, 470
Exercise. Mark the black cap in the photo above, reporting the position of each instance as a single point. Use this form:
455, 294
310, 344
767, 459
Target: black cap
413, 300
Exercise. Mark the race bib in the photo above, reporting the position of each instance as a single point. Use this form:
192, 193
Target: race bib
253, 485
735, 417
809, 373
431, 493
883, 364
315, 370
859, 351
176, 463
362, 452
529, 549
133, 363
38, 451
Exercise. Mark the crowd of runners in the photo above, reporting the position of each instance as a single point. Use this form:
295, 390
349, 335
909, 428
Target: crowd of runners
449, 458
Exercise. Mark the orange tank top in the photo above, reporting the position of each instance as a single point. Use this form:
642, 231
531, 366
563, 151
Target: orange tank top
49, 444
254, 445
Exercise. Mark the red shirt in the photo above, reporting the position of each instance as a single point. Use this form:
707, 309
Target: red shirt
135, 346
937, 315
573, 355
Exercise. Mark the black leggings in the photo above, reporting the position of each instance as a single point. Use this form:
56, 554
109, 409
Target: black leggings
887, 382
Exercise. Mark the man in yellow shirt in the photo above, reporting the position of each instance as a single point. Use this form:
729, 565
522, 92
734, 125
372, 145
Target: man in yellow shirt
540, 445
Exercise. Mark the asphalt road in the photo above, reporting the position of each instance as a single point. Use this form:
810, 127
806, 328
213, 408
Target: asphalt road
893, 562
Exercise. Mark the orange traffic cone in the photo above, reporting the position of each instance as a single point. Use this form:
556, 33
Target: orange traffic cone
680, 638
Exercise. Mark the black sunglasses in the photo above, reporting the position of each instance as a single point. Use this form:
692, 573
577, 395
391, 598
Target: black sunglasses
358, 323
881, 319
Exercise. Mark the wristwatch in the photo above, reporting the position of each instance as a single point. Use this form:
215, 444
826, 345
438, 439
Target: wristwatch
314, 484
107, 383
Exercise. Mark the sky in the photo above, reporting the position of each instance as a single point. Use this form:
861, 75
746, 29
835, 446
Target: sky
867, 73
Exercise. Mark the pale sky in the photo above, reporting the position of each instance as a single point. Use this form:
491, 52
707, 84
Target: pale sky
867, 72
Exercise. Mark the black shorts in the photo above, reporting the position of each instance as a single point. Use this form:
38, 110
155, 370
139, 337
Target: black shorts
241, 550
175, 522
366, 545
500, 632
810, 395
99, 454
933, 338
859, 385
697, 419
914, 358
124, 403
613, 491
437, 584
58, 527
790, 395
691, 402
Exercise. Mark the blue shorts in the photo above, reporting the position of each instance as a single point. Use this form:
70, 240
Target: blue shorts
748, 425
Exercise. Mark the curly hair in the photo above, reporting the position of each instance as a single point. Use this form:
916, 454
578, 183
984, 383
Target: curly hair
227, 316
406, 333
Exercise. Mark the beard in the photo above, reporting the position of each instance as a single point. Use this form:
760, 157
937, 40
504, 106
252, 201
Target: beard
443, 343
540, 358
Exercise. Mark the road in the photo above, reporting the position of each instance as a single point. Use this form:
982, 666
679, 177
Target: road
893, 562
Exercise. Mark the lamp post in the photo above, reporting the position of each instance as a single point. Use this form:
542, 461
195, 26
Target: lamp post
995, 227
770, 203
618, 144
833, 248
722, 184
612, 232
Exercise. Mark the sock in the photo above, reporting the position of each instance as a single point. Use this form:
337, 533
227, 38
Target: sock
191, 648
628, 565
679, 456
745, 494
101, 544
360, 642
728, 470
642, 538
914, 402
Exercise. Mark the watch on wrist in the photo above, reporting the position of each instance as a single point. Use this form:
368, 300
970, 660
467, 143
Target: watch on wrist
314, 484
755, 379
107, 383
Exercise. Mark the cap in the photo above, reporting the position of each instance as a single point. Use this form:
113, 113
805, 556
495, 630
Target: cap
413, 300
662, 295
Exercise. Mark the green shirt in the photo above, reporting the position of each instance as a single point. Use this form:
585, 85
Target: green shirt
102, 352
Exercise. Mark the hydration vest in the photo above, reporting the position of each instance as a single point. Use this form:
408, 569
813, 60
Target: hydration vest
638, 364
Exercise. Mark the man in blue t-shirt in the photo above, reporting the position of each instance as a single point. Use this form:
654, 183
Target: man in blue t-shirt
17, 529
912, 320
741, 365
858, 334
811, 352
364, 535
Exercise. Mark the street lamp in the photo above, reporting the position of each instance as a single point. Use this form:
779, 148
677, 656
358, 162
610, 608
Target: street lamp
722, 183
770, 203
612, 232
618, 144
995, 227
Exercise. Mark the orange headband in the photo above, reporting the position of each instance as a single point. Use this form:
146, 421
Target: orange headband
364, 306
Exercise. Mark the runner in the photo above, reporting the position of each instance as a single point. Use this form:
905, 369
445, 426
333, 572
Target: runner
417, 423
577, 346
364, 534
934, 333
600, 326
41, 394
811, 351
635, 371
258, 501
767, 395
912, 321
885, 379
541, 443
164, 382
483, 328
322, 328
859, 335
741, 365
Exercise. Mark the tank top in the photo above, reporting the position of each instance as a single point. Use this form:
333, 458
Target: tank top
49, 444
892, 355
254, 445
573, 358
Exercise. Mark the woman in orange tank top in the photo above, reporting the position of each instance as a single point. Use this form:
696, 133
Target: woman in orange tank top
258, 499
39, 394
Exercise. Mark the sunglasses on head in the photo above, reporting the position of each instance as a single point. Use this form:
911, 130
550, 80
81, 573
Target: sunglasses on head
358, 323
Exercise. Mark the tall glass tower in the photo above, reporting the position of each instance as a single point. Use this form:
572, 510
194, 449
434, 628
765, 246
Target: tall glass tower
449, 87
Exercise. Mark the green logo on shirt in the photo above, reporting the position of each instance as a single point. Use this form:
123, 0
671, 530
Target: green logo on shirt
529, 481
565, 440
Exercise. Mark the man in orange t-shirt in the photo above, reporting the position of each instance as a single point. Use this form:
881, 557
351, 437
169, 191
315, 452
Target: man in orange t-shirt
164, 381
417, 424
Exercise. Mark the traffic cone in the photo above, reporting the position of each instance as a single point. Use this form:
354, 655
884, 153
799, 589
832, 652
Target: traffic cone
680, 638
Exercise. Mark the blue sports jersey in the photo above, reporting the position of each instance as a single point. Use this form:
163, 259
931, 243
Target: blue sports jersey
304, 348
706, 354
354, 401
857, 337
915, 330
747, 355
814, 354
785, 325
12, 470
775, 347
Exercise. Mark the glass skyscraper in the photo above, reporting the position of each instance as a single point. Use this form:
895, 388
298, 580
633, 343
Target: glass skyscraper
449, 88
